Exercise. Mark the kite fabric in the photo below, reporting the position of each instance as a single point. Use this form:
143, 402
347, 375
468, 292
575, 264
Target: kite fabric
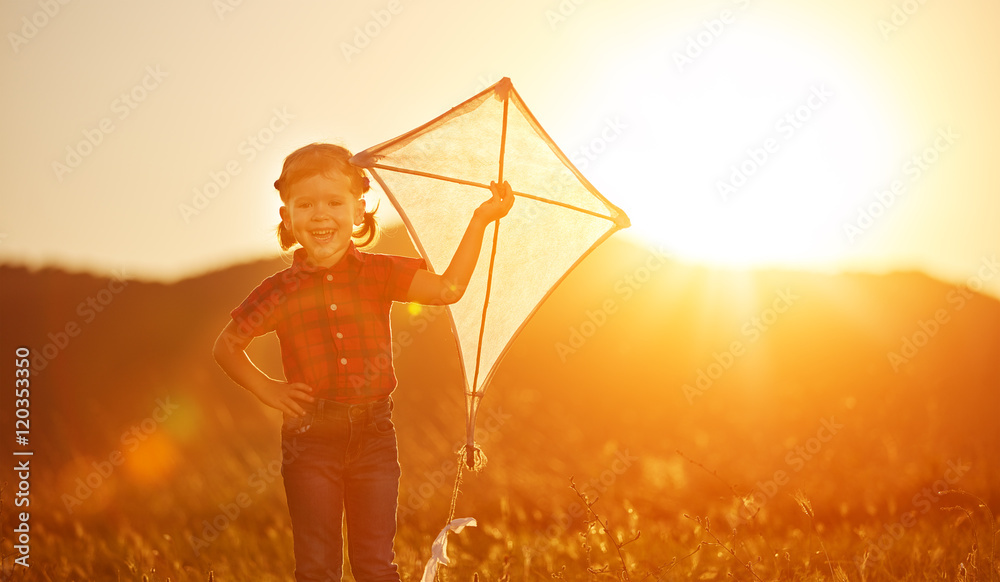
439, 549
437, 174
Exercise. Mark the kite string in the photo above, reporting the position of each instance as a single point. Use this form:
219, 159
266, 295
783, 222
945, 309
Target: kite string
480, 462
458, 483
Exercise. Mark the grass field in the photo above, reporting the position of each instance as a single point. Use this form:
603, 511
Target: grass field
221, 515
785, 545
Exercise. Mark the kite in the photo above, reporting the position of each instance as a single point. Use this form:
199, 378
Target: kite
437, 174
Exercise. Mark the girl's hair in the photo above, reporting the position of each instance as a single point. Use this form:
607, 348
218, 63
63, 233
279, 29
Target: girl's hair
326, 159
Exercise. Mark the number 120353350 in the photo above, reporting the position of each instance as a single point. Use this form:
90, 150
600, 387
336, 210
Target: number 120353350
22, 394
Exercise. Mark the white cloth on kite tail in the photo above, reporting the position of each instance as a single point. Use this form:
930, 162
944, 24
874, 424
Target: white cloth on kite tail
439, 549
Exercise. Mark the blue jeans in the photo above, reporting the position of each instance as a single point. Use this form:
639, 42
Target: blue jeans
342, 459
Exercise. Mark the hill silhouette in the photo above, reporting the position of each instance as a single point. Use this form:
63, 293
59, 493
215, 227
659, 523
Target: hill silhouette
633, 358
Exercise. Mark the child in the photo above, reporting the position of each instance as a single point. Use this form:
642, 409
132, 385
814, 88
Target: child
330, 310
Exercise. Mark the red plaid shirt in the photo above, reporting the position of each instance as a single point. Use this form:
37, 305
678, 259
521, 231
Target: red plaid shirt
333, 323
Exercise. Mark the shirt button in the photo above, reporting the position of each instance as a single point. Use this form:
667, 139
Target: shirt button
333, 307
343, 361
340, 335
329, 277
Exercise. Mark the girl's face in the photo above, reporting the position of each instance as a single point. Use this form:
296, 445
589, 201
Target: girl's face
321, 212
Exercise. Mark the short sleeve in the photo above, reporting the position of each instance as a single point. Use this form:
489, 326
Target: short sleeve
400, 275
258, 314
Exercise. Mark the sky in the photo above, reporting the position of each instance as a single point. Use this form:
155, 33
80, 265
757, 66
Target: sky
144, 138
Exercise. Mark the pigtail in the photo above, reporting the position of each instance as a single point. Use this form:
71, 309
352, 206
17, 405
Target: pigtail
369, 228
285, 237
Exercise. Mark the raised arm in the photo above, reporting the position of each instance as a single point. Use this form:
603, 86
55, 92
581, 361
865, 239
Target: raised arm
448, 287
230, 353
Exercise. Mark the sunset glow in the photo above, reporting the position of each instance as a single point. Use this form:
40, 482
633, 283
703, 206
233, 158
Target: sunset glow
738, 135
755, 337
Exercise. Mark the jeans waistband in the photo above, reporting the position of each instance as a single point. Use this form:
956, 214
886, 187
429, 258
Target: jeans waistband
325, 408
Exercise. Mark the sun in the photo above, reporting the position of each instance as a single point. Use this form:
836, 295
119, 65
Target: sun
753, 154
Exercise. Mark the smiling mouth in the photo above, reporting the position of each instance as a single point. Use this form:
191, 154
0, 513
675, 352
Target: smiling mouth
322, 235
